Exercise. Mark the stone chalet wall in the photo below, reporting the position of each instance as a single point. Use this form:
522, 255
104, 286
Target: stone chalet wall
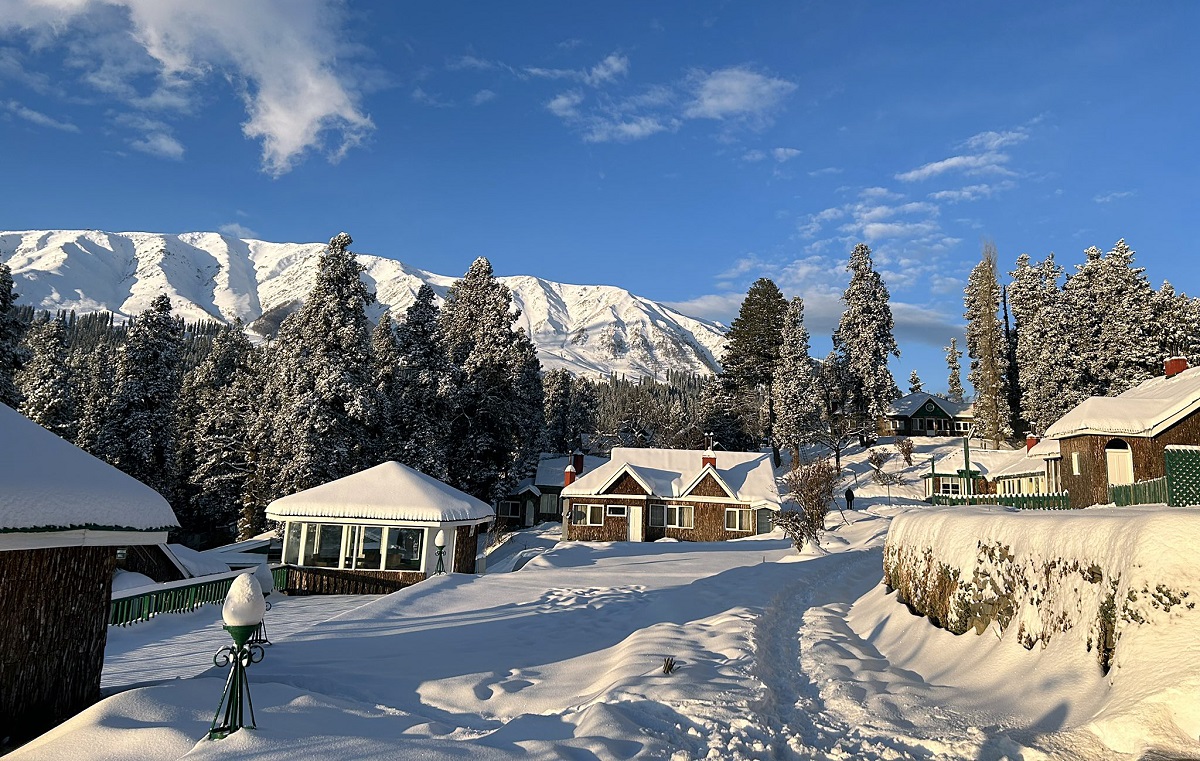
1089, 576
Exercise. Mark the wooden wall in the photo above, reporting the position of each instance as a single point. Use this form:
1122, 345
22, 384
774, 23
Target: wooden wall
53, 626
334, 581
466, 539
708, 520
1090, 487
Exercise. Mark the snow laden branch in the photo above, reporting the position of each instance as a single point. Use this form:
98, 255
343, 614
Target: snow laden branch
809, 495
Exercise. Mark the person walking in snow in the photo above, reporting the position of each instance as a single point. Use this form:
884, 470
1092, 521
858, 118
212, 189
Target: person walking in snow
849, 498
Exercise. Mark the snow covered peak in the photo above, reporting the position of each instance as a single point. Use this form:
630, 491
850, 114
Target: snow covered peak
587, 329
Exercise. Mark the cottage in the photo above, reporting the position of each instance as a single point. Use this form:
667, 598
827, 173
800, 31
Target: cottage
536, 499
648, 494
374, 531
63, 516
1037, 472
922, 414
1112, 441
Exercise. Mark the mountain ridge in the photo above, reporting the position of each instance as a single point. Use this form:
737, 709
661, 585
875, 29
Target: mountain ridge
593, 330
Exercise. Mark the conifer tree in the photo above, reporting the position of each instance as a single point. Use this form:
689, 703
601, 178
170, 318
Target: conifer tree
139, 432
796, 397
955, 392
216, 408
496, 426
556, 391
1048, 387
94, 380
914, 383
320, 405
719, 403
988, 350
864, 340
385, 354
422, 399
752, 351
45, 381
11, 330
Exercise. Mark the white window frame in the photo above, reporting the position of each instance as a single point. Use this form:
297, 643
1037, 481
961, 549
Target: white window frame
587, 515
949, 487
663, 511
1075, 469
616, 511
740, 521
675, 517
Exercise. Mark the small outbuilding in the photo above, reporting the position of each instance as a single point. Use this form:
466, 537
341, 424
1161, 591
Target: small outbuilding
63, 516
373, 532
537, 499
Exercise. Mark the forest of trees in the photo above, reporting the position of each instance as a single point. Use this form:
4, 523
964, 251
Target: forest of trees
222, 427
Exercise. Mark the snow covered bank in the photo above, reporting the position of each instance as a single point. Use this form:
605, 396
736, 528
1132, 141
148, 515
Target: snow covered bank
1120, 583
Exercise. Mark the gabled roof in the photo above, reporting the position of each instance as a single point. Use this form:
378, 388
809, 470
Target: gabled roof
986, 463
387, 492
48, 485
671, 473
909, 405
707, 470
1145, 410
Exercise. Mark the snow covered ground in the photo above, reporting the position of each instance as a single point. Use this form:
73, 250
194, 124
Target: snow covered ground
779, 656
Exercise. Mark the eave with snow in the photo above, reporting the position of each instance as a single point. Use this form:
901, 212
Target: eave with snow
382, 522
689, 495
1113, 441
63, 513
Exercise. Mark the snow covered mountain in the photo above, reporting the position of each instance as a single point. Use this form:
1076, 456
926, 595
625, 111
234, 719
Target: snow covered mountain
587, 329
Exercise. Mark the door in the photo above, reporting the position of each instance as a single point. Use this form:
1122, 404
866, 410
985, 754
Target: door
637, 527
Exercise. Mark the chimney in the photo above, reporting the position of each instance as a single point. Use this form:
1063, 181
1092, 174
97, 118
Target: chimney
1174, 366
569, 475
577, 463
710, 458
1031, 441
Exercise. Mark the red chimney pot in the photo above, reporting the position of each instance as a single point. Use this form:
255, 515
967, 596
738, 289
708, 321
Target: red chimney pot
569, 475
709, 459
1174, 366
577, 463
1031, 441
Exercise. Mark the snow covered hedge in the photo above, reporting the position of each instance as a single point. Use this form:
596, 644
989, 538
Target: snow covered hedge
1086, 574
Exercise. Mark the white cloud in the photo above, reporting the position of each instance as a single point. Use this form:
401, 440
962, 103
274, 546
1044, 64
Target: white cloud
993, 141
601, 130
825, 171
984, 163
785, 154
279, 55
972, 192
754, 155
237, 230
877, 193
469, 62
565, 105
38, 118
159, 144
1116, 196
483, 96
736, 92
721, 307
612, 67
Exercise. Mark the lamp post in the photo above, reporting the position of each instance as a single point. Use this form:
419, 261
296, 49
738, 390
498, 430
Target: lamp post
243, 613
439, 542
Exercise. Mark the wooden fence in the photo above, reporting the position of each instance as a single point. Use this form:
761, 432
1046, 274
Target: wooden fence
143, 603
1057, 501
1152, 492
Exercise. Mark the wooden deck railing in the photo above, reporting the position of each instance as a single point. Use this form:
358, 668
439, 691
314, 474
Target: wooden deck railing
1057, 501
143, 603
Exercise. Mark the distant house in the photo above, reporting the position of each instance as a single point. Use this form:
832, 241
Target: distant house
373, 532
1122, 439
642, 495
536, 499
63, 516
922, 414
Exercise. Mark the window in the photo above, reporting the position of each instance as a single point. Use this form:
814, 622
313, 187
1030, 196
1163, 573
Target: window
403, 549
658, 516
737, 519
510, 509
918, 424
949, 486
1074, 463
323, 545
680, 516
588, 515
291, 543
617, 511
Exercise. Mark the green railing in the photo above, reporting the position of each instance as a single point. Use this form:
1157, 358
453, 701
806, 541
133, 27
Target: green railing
1152, 492
1058, 501
134, 605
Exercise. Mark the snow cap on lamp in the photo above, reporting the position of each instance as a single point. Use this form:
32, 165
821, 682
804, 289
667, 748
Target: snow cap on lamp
440, 539
244, 605
265, 580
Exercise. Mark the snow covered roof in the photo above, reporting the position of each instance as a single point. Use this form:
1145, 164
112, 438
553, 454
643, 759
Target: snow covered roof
387, 492
1047, 449
671, 473
550, 468
1145, 410
195, 563
51, 485
989, 463
909, 405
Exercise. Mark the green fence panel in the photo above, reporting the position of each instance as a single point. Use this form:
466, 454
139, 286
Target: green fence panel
1183, 475
178, 599
1152, 492
1058, 501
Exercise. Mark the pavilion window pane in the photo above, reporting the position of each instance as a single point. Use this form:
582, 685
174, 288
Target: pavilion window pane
351, 546
291, 543
327, 541
403, 549
370, 548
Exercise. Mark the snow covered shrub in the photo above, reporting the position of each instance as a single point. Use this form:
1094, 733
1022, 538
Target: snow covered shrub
904, 446
810, 493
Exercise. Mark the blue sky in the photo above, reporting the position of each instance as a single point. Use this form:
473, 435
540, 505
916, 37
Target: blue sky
677, 150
